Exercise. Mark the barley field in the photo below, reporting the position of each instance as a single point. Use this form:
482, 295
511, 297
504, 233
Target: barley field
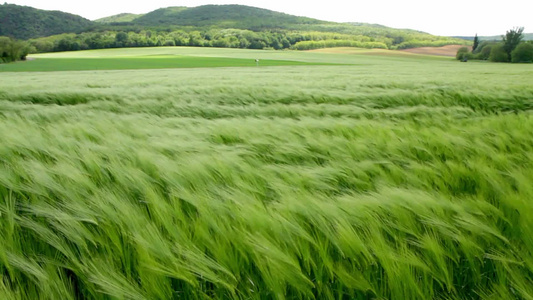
351, 175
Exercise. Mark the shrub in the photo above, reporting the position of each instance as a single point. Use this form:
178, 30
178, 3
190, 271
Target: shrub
522, 53
12, 50
498, 54
485, 52
481, 46
462, 53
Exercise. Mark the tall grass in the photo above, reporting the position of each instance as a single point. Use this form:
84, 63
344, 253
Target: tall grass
376, 182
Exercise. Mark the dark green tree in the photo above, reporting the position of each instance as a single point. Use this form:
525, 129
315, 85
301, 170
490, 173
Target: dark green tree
462, 54
522, 53
12, 50
5, 43
485, 52
476, 43
65, 44
511, 39
481, 46
121, 39
498, 54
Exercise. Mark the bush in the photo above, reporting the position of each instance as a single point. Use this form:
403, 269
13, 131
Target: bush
498, 54
463, 54
522, 53
485, 52
12, 50
481, 46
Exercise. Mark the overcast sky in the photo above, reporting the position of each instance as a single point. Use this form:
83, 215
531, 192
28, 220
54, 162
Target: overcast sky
452, 17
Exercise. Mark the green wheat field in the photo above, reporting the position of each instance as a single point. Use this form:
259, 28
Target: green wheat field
355, 174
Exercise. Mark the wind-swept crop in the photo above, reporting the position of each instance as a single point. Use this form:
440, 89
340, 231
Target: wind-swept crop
311, 182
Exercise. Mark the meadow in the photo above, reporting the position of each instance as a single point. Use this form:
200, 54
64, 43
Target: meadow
137, 60
356, 174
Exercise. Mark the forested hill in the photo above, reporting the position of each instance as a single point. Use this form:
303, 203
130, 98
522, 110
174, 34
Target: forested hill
223, 16
23, 22
232, 26
275, 29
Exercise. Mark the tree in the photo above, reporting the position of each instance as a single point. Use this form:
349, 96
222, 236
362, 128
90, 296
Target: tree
511, 39
462, 54
43, 45
476, 43
484, 54
121, 39
12, 50
522, 53
64, 44
481, 46
5, 42
498, 54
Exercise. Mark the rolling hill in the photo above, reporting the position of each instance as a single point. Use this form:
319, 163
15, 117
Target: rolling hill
223, 16
23, 22
120, 18
225, 26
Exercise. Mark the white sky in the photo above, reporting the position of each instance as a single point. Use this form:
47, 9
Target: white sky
452, 17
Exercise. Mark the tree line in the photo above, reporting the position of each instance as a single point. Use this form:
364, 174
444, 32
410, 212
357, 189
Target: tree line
357, 36
227, 38
511, 48
230, 38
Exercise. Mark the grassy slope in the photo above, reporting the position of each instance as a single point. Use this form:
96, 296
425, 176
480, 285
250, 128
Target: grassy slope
397, 177
124, 17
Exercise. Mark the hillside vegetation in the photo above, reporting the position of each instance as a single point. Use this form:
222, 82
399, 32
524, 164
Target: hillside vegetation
224, 16
218, 17
392, 178
511, 48
23, 22
229, 26
120, 18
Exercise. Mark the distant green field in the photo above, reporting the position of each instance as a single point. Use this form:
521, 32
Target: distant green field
189, 57
361, 175
142, 62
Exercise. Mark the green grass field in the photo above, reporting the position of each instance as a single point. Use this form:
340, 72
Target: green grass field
129, 59
373, 176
